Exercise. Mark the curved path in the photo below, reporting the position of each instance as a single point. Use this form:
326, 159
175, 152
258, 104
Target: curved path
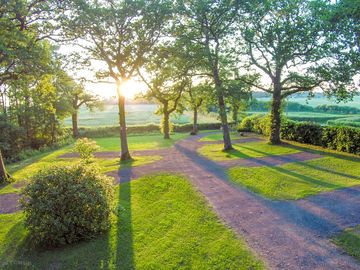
286, 234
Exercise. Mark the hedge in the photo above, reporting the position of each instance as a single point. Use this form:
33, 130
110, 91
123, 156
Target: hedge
340, 138
151, 128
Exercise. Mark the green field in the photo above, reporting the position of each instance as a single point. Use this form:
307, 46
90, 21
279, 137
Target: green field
143, 114
320, 101
135, 115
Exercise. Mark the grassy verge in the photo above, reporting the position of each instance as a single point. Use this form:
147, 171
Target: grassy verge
244, 150
301, 179
140, 142
219, 137
26, 168
160, 223
349, 240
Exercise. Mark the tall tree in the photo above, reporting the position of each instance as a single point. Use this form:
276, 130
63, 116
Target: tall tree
206, 27
166, 85
22, 51
72, 96
120, 34
196, 96
238, 96
294, 45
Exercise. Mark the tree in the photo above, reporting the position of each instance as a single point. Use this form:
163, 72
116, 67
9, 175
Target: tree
22, 51
168, 81
292, 42
206, 27
238, 94
196, 96
72, 96
120, 34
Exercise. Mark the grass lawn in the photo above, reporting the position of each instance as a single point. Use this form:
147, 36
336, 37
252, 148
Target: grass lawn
219, 137
140, 142
300, 179
349, 240
160, 223
244, 150
26, 168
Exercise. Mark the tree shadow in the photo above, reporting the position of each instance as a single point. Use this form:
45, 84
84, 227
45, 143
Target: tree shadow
289, 210
124, 252
313, 166
322, 152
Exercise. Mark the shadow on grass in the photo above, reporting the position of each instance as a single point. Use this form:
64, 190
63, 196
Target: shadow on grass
317, 167
322, 152
289, 210
124, 252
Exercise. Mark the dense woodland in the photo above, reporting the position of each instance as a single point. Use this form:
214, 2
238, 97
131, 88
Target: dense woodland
192, 55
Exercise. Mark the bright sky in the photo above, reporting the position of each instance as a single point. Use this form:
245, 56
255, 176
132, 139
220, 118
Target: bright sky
130, 89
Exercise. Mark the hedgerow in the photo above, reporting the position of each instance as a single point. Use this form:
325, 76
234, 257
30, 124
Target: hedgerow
340, 138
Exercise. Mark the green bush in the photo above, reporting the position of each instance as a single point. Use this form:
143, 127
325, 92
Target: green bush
303, 132
98, 132
258, 123
86, 148
64, 205
344, 139
201, 126
340, 138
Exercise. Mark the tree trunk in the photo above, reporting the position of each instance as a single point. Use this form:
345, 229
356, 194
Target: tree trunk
195, 124
124, 155
222, 111
4, 176
166, 125
235, 114
275, 115
224, 123
74, 119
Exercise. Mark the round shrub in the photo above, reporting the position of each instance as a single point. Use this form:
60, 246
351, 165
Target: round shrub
64, 205
86, 148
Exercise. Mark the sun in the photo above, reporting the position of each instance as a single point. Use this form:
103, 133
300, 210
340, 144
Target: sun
131, 88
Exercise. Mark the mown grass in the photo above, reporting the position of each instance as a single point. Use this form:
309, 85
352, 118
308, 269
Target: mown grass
136, 114
108, 165
24, 169
244, 150
139, 142
300, 179
218, 137
160, 223
349, 240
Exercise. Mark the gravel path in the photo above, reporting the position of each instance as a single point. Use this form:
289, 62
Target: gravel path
285, 234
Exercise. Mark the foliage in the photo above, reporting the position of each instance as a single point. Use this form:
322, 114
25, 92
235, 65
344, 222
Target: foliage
299, 50
256, 123
346, 139
99, 132
86, 148
64, 205
205, 30
304, 132
121, 35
